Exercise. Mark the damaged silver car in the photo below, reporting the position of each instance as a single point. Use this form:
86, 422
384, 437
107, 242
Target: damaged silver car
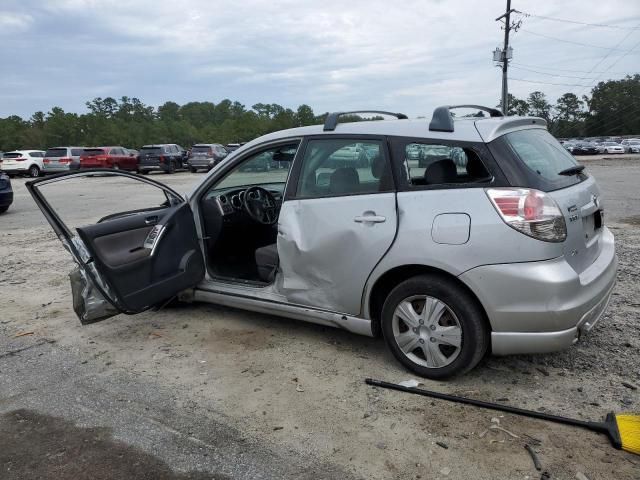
493, 240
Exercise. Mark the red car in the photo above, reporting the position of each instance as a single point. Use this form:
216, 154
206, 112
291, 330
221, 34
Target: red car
108, 157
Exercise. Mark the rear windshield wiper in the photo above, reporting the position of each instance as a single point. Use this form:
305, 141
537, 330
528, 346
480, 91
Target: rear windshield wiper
572, 170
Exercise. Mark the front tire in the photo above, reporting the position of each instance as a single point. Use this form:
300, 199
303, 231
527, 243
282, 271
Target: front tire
434, 327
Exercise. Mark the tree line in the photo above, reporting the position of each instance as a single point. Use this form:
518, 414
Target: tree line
613, 108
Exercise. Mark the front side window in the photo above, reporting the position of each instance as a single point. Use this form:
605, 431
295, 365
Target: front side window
344, 167
270, 166
437, 164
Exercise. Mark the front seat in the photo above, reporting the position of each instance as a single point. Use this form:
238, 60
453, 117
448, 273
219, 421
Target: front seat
267, 262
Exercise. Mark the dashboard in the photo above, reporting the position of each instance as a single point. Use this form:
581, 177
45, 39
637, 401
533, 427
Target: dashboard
231, 202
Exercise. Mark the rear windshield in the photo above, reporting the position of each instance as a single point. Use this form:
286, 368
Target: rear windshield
12, 155
150, 150
533, 158
56, 152
201, 149
92, 152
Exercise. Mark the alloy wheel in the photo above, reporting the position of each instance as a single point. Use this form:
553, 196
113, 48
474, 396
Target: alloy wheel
427, 331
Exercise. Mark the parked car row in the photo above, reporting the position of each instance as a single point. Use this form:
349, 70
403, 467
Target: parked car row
166, 157
596, 146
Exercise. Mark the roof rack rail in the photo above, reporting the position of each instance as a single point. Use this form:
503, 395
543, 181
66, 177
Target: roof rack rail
442, 121
331, 122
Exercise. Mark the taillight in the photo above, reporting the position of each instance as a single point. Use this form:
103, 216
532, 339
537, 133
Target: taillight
46, 160
531, 212
64, 160
19, 159
161, 158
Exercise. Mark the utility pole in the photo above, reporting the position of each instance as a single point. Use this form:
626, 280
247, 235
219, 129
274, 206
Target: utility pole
503, 56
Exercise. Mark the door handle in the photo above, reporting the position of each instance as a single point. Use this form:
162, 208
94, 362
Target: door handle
370, 219
151, 220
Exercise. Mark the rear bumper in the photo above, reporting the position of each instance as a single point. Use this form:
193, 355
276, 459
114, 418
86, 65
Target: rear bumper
540, 307
15, 169
202, 162
153, 168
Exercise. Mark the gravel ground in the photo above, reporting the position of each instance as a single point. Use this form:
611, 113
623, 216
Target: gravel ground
292, 391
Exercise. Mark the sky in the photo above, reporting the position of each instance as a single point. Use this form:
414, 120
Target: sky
407, 56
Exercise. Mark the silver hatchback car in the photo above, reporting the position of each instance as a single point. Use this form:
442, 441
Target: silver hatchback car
450, 239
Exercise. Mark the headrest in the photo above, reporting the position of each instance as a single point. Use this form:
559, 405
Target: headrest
442, 171
343, 180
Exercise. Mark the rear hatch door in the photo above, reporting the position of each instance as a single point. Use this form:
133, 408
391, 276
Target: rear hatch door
533, 158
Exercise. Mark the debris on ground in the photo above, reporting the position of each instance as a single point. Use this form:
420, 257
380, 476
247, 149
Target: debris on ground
534, 457
443, 445
23, 334
411, 383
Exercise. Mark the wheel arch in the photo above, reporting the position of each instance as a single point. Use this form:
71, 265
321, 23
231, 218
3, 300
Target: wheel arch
383, 285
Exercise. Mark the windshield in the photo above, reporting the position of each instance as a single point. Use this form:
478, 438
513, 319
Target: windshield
540, 152
266, 167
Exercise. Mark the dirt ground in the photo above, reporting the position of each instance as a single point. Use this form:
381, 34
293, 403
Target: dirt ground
294, 389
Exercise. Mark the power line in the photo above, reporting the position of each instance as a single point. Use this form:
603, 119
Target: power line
609, 53
572, 42
551, 74
553, 19
550, 83
562, 69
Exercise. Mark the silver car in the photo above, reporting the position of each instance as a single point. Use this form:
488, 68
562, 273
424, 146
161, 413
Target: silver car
205, 156
498, 244
61, 159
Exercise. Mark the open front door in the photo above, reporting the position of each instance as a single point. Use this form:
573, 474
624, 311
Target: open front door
133, 239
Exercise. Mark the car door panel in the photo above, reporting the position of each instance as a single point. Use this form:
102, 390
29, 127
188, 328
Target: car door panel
327, 252
130, 261
140, 274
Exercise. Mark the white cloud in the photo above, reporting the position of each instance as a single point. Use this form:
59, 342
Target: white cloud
11, 22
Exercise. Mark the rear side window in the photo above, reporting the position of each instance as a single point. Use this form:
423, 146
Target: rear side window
56, 152
76, 152
344, 167
540, 152
37, 154
437, 164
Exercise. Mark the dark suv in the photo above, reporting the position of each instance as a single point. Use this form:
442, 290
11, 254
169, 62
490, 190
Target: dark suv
166, 157
206, 155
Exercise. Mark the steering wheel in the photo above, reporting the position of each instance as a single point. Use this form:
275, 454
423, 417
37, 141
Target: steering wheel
260, 204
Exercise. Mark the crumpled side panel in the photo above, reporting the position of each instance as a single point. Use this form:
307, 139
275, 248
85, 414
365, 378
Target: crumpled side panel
88, 303
326, 256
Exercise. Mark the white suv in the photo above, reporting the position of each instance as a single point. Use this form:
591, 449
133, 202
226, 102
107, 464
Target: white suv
23, 162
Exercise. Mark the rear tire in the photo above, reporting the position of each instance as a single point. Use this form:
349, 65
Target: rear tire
449, 341
34, 171
172, 167
193, 169
4, 209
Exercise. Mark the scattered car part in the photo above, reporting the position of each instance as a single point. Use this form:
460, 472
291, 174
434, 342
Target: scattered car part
623, 430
